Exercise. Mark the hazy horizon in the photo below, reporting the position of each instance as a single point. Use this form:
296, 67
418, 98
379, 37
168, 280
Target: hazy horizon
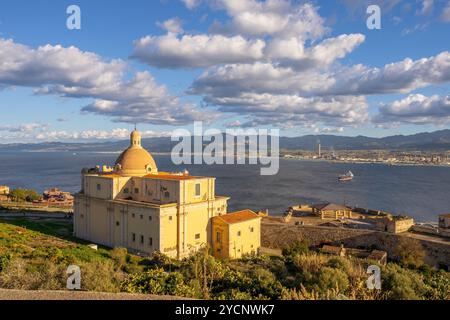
94, 141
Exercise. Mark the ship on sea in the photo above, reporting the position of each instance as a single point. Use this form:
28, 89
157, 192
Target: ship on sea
346, 177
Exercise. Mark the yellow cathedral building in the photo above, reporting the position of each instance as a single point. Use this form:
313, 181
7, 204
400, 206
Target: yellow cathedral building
133, 205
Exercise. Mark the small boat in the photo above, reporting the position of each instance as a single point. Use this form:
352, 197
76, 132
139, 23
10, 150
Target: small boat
346, 177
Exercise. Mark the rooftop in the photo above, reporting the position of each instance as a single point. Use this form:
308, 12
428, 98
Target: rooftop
445, 215
330, 206
159, 175
238, 216
400, 218
332, 249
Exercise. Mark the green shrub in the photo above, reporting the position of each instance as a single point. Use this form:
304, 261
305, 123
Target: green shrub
341, 263
20, 274
119, 256
401, 284
438, 285
310, 263
330, 278
5, 260
409, 252
157, 281
298, 247
100, 276
20, 194
32, 195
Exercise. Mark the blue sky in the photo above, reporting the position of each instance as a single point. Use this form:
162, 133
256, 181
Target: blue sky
306, 67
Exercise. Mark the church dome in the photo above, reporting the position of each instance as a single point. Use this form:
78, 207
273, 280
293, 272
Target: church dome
135, 161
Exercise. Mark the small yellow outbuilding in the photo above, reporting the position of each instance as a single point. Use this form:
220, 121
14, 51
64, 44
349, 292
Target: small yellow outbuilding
235, 234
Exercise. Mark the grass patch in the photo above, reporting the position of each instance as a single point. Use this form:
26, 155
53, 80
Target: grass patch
35, 254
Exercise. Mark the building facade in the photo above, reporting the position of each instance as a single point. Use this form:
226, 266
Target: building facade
4, 190
444, 225
236, 234
332, 211
394, 224
4, 193
135, 206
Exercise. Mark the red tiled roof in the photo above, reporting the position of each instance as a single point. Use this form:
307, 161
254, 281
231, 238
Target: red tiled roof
238, 216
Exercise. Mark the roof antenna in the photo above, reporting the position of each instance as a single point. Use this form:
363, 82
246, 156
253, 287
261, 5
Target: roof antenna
135, 124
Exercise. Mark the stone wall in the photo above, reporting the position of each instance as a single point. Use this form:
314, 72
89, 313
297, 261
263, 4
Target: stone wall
278, 236
399, 226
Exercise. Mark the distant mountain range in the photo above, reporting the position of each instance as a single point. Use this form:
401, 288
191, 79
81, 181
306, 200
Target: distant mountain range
437, 140
427, 141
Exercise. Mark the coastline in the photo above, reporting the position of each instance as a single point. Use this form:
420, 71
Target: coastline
284, 157
399, 164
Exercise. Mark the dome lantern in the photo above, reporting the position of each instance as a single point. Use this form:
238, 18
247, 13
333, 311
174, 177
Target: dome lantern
135, 139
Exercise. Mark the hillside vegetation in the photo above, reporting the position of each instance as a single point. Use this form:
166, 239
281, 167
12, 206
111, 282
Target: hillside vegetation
34, 255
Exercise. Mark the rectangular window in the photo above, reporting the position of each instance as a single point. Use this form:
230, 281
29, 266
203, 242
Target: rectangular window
197, 189
126, 190
142, 216
150, 218
238, 233
252, 229
142, 239
150, 242
170, 218
99, 187
218, 237
136, 190
133, 237
197, 236
133, 215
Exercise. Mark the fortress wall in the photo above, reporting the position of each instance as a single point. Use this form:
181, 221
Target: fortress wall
277, 236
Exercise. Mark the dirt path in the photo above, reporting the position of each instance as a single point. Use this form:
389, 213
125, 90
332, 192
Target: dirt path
427, 237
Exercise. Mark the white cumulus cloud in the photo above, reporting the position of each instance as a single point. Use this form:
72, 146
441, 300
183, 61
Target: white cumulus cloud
194, 51
70, 72
173, 25
416, 109
91, 135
